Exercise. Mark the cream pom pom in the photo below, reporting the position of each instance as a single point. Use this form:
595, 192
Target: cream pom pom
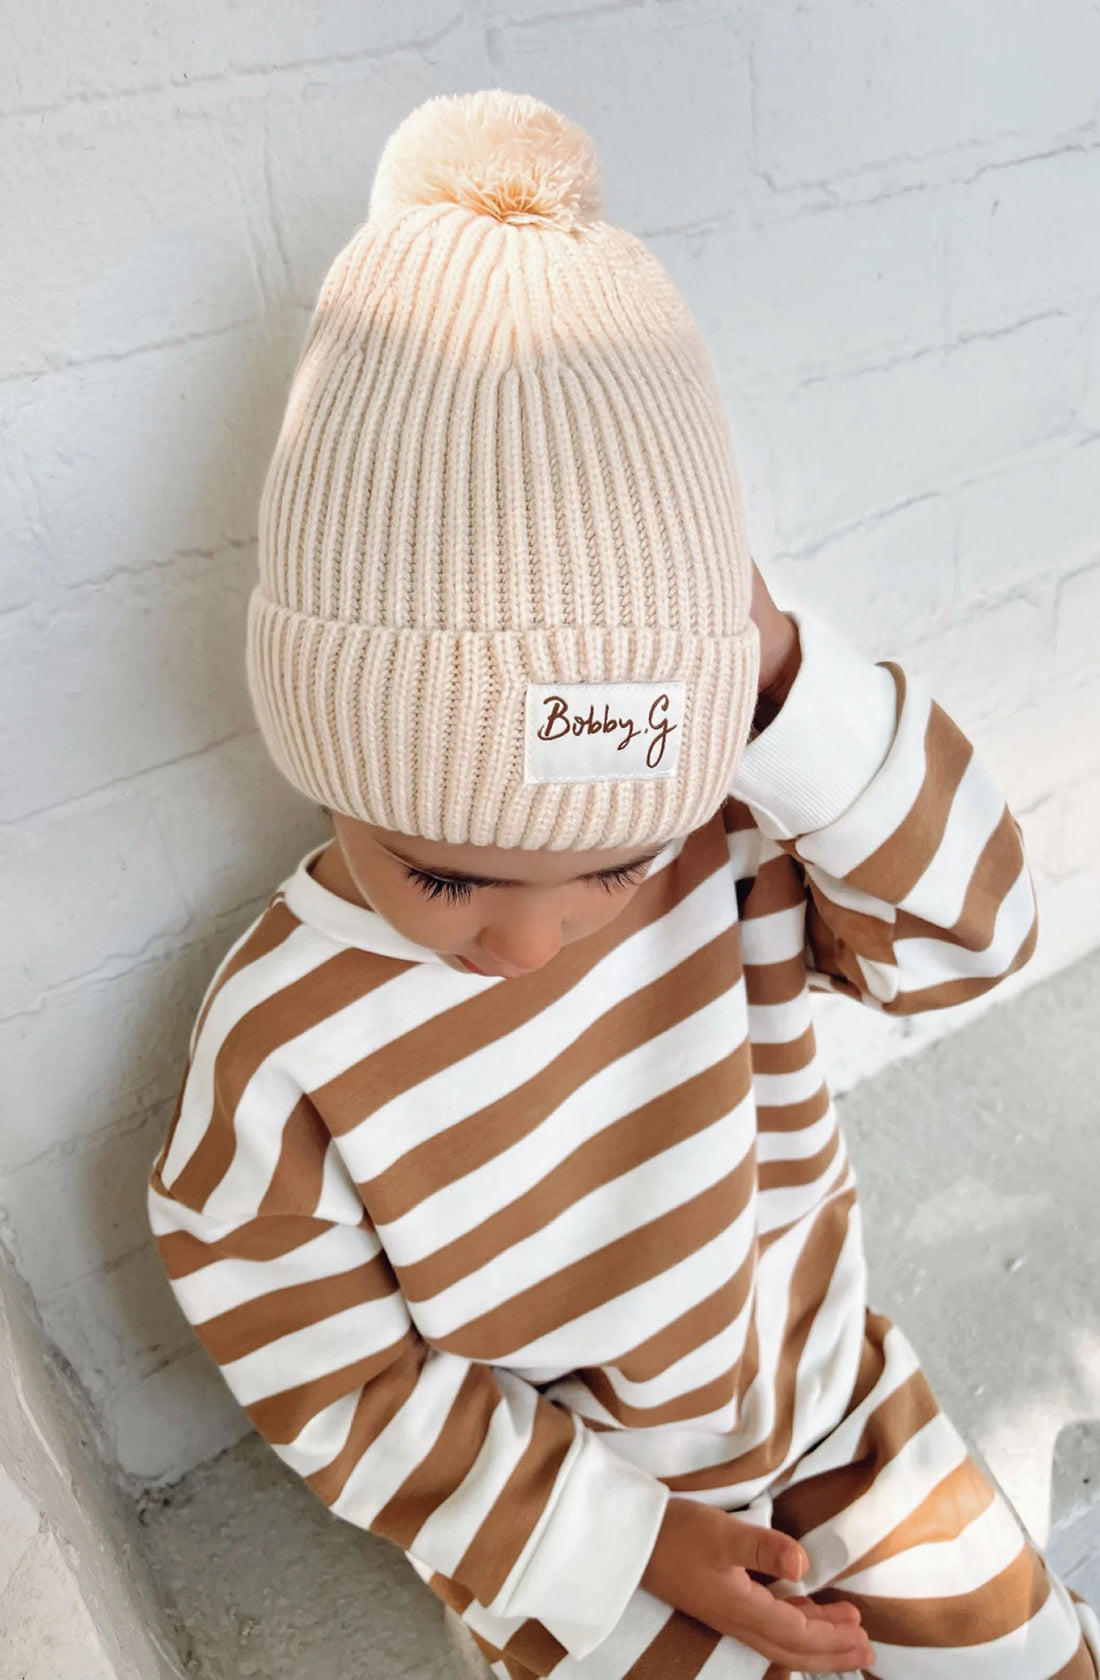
505, 155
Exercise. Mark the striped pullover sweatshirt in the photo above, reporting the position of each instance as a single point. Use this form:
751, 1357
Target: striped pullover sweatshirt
497, 1265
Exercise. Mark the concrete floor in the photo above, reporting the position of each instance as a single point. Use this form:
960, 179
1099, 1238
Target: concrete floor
978, 1166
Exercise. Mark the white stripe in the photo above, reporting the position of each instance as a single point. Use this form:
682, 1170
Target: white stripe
638, 1196
898, 1490
631, 1316
924, 962
787, 1203
226, 1284
638, 1078
316, 1350
297, 955
489, 1074
944, 1568
322, 1438
797, 1145
1032, 1652
977, 806
445, 1536
411, 1433
773, 937
843, 845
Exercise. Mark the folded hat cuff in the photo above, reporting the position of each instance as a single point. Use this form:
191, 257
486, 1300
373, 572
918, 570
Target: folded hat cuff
423, 731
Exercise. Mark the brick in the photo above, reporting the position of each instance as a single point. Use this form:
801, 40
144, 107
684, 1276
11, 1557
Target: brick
102, 1189
1040, 516
1045, 746
326, 130
132, 230
1042, 826
1081, 822
116, 1326
990, 665
665, 94
843, 447
883, 583
79, 889
1025, 238
1077, 629
100, 1053
113, 680
179, 1415
54, 52
233, 827
843, 87
130, 463
820, 292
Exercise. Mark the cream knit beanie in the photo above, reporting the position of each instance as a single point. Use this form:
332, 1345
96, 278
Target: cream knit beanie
505, 584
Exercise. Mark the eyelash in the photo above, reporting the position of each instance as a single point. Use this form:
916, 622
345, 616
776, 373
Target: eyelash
437, 886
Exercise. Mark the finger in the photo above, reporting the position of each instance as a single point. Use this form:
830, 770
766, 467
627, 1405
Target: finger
839, 1612
766, 1550
814, 1641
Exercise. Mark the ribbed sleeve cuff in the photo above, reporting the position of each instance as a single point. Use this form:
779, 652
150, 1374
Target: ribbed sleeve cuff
591, 1551
828, 740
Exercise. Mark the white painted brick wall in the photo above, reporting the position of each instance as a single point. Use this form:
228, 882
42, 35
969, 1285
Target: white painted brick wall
884, 220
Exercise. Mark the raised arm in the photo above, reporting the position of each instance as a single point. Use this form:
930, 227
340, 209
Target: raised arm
918, 890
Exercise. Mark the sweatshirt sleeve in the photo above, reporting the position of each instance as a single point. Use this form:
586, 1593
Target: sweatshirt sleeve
465, 1466
918, 890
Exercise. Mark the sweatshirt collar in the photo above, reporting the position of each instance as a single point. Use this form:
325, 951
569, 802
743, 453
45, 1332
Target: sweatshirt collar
349, 924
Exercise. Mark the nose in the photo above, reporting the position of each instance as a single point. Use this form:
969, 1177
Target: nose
522, 941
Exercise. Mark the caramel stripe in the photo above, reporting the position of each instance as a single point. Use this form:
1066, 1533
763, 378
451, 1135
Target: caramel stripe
677, 1652
694, 1403
957, 1500
800, 1169
809, 1283
535, 1648
699, 1324
775, 982
242, 1330
677, 995
792, 1116
1081, 1665
486, 1018
256, 1239
295, 1185
282, 1417
377, 1405
994, 875
276, 924
447, 1462
808, 1504
341, 980
501, 1537
893, 869
949, 992
774, 887
591, 1282
1001, 1605
786, 1055
690, 1108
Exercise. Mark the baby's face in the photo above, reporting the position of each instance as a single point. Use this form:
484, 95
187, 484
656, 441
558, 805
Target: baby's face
502, 911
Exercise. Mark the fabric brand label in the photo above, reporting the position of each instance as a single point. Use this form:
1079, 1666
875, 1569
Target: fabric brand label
603, 732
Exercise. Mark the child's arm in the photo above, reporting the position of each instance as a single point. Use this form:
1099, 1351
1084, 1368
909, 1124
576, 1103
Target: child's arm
918, 892
276, 1264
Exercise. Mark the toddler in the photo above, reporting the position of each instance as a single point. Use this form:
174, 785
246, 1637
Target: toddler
556, 1281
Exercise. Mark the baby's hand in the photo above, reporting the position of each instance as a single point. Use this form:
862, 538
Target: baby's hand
780, 652
700, 1565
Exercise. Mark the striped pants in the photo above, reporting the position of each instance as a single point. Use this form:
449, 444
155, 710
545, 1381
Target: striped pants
896, 1518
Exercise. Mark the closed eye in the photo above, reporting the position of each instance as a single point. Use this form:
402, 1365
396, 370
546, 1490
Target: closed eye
443, 886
